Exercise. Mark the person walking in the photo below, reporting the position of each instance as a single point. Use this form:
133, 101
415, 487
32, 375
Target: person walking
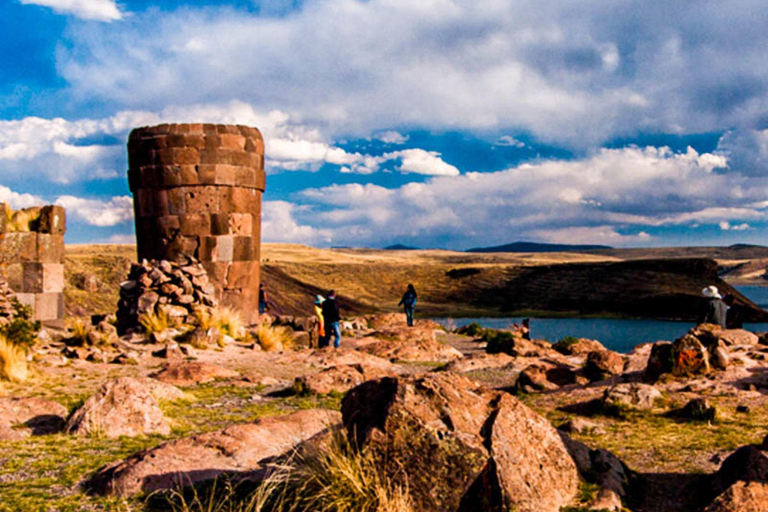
409, 304
322, 342
332, 320
716, 311
263, 302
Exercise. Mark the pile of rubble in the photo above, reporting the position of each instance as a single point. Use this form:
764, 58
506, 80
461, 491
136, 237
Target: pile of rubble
7, 297
163, 287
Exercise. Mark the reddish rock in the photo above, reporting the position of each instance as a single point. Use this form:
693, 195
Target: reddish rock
689, 356
191, 373
460, 446
23, 417
340, 379
603, 364
240, 448
122, 407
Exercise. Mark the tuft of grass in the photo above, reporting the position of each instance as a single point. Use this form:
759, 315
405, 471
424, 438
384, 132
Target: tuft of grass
563, 345
21, 330
328, 478
154, 322
78, 332
228, 321
273, 338
13, 361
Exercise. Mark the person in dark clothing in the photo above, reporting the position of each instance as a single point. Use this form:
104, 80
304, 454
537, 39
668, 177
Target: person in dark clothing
734, 319
716, 311
409, 304
332, 320
263, 303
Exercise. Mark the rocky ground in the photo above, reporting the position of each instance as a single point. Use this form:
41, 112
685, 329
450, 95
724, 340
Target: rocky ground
99, 429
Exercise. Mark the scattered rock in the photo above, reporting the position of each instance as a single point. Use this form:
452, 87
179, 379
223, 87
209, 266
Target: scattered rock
340, 378
603, 364
699, 409
734, 337
121, 407
461, 444
481, 361
744, 409
239, 448
577, 346
742, 497
630, 395
660, 361
419, 349
603, 468
689, 356
718, 356
580, 426
191, 373
23, 417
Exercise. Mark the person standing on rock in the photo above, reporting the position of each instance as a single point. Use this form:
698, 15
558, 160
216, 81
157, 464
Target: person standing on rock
716, 311
332, 320
409, 304
263, 302
322, 342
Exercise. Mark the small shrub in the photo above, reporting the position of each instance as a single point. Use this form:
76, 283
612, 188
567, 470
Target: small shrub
13, 361
273, 338
154, 322
21, 331
499, 342
474, 329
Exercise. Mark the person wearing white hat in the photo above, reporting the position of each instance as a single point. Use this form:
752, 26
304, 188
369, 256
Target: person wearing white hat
321, 322
716, 310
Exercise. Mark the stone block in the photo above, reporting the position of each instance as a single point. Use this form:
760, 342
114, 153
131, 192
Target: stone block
176, 200
161, 203
241, 248
53, 220
170, 176
195, 140
206, 174
49, 306
232, 141
201, 199
245, 177
217, 272
241, 275
14, 275
261, 180
224, 248
50, 248
26, 299
143, 202
19, 246
167, 226
195, 224
165, 156
225, 175
176, 140
151, 176
43, 277
4, 209
238, 224
186, 156
189, 175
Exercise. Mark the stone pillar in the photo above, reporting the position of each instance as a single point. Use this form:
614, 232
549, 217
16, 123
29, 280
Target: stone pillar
197, 192
32, 258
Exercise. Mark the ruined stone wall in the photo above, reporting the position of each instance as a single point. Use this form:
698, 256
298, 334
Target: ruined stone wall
32, 257
197, 192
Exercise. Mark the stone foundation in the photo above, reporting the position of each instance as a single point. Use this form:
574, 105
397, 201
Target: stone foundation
197, 192
32, 258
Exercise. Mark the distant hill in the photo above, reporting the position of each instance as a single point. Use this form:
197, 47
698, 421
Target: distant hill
537, 247
400, 247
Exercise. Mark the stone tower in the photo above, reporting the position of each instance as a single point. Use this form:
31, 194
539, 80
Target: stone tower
197, 192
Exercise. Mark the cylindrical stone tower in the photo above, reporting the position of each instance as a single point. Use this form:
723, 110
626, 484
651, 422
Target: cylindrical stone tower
197, 192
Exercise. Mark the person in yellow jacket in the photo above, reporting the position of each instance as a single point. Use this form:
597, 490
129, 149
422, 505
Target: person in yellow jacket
321, 322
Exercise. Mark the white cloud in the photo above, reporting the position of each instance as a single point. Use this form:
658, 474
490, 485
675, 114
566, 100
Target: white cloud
508, 140
99, 10
613, 197
96, 212
564, 75
392, 137
279, 225
18, 201
419, 161
727, 226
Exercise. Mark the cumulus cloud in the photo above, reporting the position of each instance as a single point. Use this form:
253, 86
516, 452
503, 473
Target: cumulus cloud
613, 197
17, 200
727, 226
96, 212
279, 225
575, 76
99, 10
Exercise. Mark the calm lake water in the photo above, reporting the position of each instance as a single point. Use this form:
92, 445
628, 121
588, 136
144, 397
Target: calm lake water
618, 335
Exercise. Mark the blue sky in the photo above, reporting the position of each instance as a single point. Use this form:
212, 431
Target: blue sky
437, 123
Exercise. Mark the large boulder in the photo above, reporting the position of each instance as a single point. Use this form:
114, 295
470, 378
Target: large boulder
630, 396
742, 497
191, 373
460, 446
577, 346
603, 468
737, 337
242, 448
23, 417
603, 364
660, 361
741, 483
340, 379
121, 407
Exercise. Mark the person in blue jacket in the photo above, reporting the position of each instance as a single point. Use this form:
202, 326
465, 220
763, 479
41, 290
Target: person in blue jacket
409, 303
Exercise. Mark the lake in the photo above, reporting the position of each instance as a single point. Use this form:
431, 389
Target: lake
615, 334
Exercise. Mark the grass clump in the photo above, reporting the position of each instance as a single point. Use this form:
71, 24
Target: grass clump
13, 361
21, 330
154, 322
499, 342
79, 330
331, 478
273, 338
474, 329
564, 344
229, 322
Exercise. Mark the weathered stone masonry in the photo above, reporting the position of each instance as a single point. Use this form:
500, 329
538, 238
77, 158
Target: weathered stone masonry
197, 192
32, 257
